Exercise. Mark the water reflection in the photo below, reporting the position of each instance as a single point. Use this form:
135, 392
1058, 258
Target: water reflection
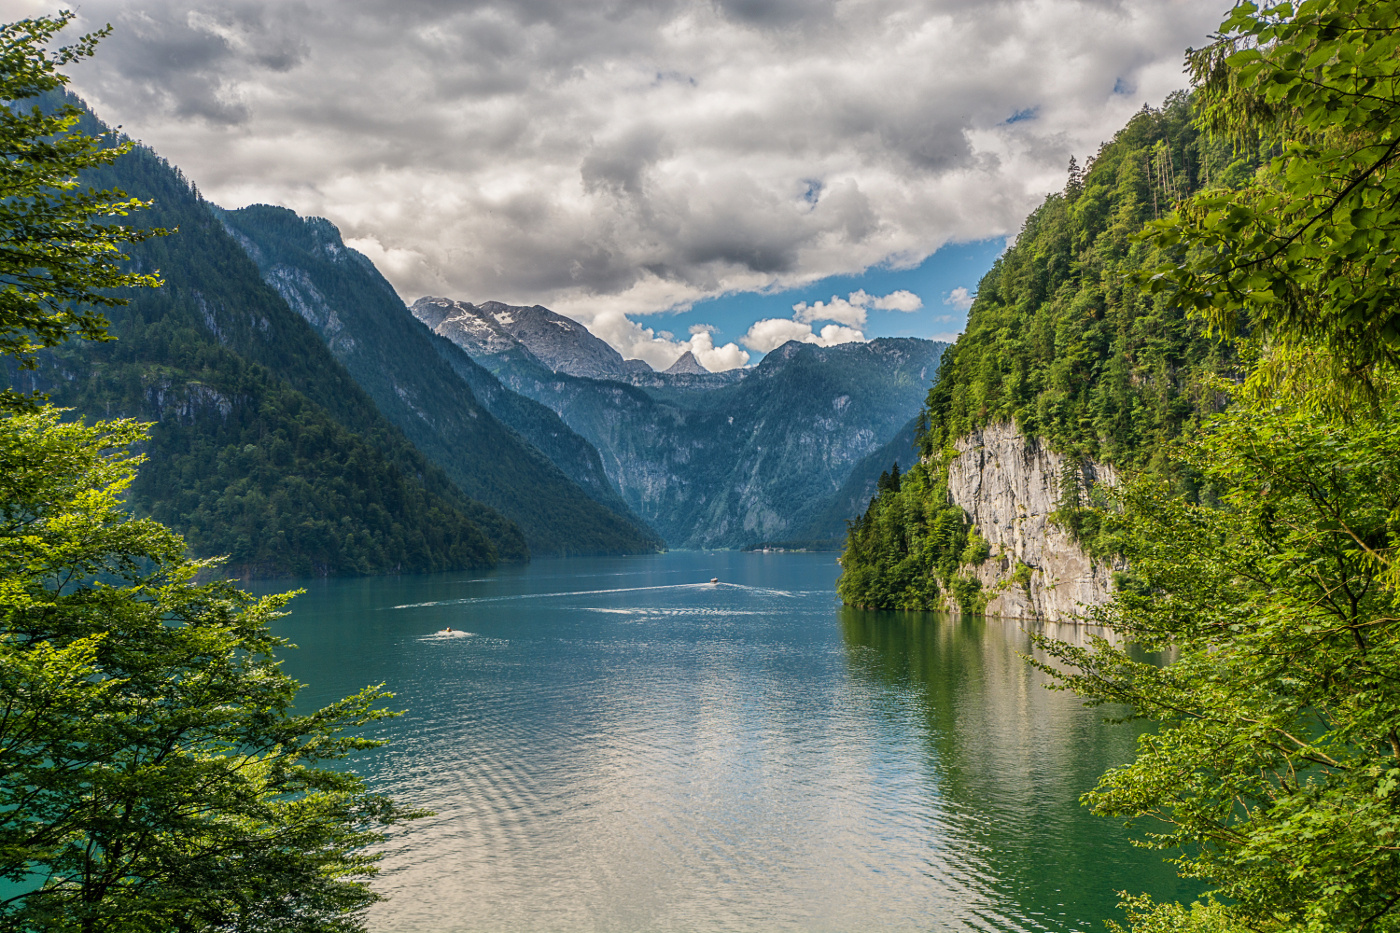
1011, 759
619, 745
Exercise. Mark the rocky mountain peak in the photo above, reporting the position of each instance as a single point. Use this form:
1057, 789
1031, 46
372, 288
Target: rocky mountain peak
560, 343
686, 365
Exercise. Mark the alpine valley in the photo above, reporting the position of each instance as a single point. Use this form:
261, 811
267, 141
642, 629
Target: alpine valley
306, 421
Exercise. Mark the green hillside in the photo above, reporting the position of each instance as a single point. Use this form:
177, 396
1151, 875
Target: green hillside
1060, 342
414, 380
264, 448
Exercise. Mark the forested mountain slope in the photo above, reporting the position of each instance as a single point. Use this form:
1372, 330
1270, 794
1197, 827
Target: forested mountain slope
264, 448
723, 459
432, 397
1073, 371
826, 528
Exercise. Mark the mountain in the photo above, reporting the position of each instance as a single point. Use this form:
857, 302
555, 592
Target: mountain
1066, 374
536, 336
561, 344
826, 529
687, 365
448, 406
263, 447
717, 459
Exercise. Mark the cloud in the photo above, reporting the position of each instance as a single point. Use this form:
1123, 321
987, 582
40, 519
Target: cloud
959, 298
661, 348
771, 333
635, 155
844, 310
847, 314
902, 300
851, 310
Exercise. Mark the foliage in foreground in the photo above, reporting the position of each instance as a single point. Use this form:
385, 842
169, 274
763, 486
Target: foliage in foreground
1277, 765
1272, 582
61, 252
1276, 770
152, 774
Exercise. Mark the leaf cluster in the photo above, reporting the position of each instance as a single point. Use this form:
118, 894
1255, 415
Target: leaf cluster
1276, 767
62, 250
153, 775
1304, 256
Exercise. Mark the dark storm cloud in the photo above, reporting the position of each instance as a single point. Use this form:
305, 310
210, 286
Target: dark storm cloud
634, 154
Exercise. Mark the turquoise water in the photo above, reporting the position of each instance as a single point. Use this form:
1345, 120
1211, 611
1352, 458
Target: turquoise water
619, 745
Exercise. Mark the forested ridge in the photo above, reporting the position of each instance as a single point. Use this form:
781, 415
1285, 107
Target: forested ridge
1257, 515
431, 398
263, 448
1061, 342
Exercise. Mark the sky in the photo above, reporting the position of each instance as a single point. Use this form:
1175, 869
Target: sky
708, 175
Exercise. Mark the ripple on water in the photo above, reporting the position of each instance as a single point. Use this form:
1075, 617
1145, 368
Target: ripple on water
738, 756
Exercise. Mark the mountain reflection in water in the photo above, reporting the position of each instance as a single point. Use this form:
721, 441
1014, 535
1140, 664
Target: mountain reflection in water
611, 746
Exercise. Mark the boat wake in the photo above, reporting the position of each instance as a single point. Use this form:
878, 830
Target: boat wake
469, 600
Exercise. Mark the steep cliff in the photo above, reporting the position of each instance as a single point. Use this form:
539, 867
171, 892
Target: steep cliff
1010, 487
1065, 365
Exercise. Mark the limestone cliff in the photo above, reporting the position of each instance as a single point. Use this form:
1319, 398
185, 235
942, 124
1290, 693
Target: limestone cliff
1010, 484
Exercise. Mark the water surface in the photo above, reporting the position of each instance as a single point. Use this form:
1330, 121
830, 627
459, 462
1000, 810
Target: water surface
620, 745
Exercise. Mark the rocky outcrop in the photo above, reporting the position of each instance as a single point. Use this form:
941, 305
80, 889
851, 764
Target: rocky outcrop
560, 343
1010, 485
687, 365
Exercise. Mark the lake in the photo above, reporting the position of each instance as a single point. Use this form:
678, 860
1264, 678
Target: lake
616, 744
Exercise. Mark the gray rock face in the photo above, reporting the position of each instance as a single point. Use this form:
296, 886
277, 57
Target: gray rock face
1010, 485
717, 459
687, 365
560, 343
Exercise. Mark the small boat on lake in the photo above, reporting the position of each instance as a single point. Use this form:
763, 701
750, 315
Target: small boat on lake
714, 579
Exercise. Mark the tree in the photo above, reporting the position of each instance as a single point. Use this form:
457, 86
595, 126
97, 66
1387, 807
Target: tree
1275, 771
154, 775
1276, 767
1306, 255
61, 252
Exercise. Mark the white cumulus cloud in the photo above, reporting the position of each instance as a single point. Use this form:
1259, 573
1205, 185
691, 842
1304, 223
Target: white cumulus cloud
902, 300
847, 315
661, 348
959, 298
771, 333
851, 310
844, 310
